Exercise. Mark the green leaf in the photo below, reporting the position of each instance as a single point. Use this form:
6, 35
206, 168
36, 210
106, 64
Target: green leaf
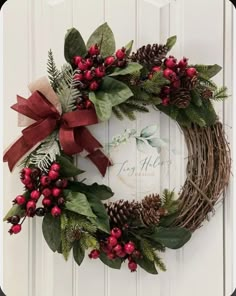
166, 221
111, 93
171, 42
128, 47
102, 192
208, 71
129, 69
148, 131
102, 219
115, 263
52, 231
74, 45
78, 253
68, 169
104, 38
78, 203
147, 265
196, 98
173, 237
15, 210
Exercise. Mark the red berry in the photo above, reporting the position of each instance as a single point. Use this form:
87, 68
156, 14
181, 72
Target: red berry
20, 200
56, 192
80, 106
129, 248
116, 232
94, 254
183, 63
65, 183
30, 186
137, 254
53, 175
88, 104
56, 211
88, 75
14, 219
82, 66
77, 59
100, 72
120, 54
89, 63
79, 76
109, 61
111, 256
26, 180
156, 69
191, 72
35, 194
112, 241
26, 171
46, 202
45, 180
165, 90
118, 248
176, 83
55, 167
170, 62
165, 101
31, 206
150, 76
169, 74
132, 266
93, 85
61, 201
121, 254
46, 192
15, 229
94, 50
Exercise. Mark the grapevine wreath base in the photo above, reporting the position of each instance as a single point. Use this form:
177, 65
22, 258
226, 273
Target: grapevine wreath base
99, 80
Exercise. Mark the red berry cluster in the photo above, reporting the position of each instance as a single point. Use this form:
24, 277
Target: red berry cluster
176, 72
91, 70
115, 247
49, 185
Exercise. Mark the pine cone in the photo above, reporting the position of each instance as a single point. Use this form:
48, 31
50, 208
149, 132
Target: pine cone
150, 206
206, 94
150, 55
181, 98
121, 211
189, 83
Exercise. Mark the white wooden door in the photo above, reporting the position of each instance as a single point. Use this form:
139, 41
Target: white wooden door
204, 28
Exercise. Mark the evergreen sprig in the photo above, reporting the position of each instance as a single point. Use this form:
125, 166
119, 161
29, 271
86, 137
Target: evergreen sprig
53, 73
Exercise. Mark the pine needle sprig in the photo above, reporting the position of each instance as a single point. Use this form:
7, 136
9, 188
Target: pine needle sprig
117, 112
53, 73
146, 249
169, 201
159, 263
220, 94
88, 241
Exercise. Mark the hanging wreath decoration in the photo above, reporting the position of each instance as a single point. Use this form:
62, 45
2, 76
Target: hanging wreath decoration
99, 80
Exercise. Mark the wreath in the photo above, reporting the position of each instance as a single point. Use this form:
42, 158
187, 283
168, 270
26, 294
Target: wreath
96, 81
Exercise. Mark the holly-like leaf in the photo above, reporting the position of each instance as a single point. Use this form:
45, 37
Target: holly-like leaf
173, 237
104, 38
147, 265
78, 253
68, 169
114, 263
74, 45
148, 131
15, 210
52, 231
95, 190
111, 93
128, 47
208, 71
171, 42
78, 203
129, 69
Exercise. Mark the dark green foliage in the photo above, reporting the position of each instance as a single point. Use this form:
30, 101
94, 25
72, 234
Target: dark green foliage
52, 231
169, 201
220, 94
53, 72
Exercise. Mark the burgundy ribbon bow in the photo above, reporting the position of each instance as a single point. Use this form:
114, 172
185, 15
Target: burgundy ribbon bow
74, 137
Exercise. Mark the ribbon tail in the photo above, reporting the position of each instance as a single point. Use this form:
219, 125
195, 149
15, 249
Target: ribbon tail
100, 160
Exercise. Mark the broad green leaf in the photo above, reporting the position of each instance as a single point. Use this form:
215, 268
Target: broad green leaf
78, 253
103, 106
129, 69
102, 218
104, 38
68, 169
196, 98
78, 203
15, 210
128, 47
173, 237
147, 265
115, 263
74, 45
149, 131
95, 190
208, 71
166, 221
52, 231
171, 42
